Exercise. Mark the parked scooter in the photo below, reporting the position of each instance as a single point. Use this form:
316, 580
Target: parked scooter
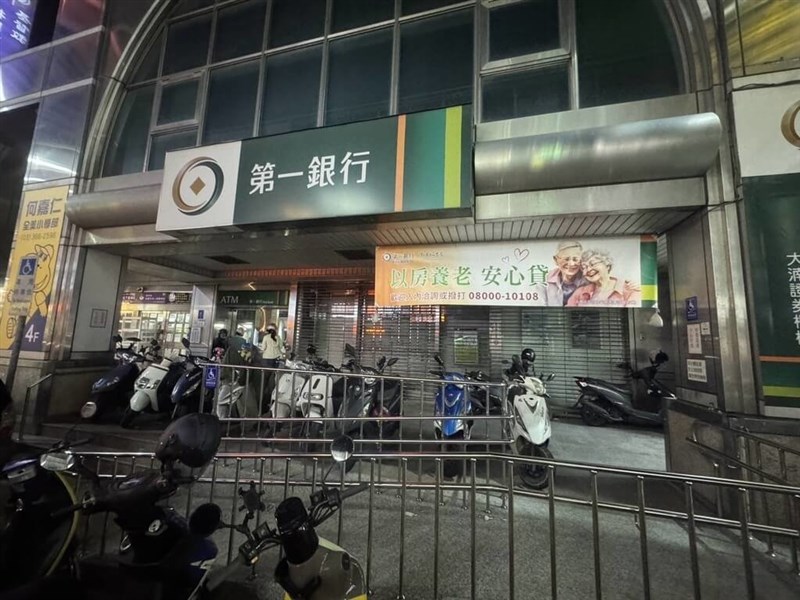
154, 388
531, 430
454, 405
289, 384
189, 392
368, 396
161, 555
311, 567
34, 543
114, 389
602, 402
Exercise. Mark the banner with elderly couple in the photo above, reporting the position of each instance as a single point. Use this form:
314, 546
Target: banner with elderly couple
575, 272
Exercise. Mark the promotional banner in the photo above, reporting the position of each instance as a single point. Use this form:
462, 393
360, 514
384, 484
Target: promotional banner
402, 164
773, 211
38, 238
157, 297
596, 272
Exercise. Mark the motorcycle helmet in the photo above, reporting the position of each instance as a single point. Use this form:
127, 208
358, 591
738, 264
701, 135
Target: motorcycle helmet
528, 355
187, 445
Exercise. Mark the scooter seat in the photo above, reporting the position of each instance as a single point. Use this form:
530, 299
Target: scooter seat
608, 385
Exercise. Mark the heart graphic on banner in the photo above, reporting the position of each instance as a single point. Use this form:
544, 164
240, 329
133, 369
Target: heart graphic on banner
521, 254
505, 259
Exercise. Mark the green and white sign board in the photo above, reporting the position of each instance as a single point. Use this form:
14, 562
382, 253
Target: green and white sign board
414, 163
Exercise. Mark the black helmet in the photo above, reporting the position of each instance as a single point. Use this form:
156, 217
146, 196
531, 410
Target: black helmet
528, 355
189, 444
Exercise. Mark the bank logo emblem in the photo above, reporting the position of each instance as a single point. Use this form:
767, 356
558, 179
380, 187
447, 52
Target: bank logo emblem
198, 185
790, 124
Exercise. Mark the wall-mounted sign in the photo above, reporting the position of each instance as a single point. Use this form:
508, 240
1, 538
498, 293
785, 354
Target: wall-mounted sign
695, 338
773, 212
22, 292
402, 164
768, 128
696, 370
157, 297
38, 239
243, 298
692, 310
99, 318
16, 23
599, 272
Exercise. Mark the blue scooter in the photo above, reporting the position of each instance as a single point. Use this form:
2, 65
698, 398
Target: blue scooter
453, 404
189, 392
114, 389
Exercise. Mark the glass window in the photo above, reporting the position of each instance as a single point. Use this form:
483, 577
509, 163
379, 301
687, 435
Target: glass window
524, 93
186, 6
291, 91
58, 138
129, 139
167, 142
240, 30
72, 61
523, 28
231, 104
74, 17
148, 68
187, 44
295, 21
24, 75
358, 78
624, 52
436, 62
349, 14
178, 101
409, 7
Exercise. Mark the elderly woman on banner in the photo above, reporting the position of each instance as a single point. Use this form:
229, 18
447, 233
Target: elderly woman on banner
601, 289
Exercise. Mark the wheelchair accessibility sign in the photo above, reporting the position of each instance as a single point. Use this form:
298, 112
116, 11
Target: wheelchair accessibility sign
211, 377
23, 287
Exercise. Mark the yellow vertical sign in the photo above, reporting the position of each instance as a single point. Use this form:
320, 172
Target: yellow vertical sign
38, 236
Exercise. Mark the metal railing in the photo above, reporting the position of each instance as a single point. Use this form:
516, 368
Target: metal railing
24, 415
751, 462
420, 535
410, 424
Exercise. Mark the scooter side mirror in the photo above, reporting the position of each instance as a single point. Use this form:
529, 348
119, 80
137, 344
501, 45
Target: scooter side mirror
117, 339
205, 519
392, 361
382, 362
551, 376
185, 343
342, 448
438, 359
349, 350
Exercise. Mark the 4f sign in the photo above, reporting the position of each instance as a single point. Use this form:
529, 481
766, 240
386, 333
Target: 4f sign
790, 128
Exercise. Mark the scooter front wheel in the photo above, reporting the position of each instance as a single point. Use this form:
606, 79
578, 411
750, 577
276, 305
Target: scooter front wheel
534, 476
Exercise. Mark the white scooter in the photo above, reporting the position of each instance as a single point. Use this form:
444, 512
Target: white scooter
153, 387
531, 430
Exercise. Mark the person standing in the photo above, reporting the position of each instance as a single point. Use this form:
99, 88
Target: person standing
272, 349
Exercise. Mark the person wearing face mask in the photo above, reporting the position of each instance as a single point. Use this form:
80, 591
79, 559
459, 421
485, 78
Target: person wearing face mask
601, 287
565, 278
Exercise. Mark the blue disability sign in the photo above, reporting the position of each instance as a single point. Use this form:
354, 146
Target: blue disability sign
211, 376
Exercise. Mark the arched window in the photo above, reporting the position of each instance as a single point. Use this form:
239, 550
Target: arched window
233, 69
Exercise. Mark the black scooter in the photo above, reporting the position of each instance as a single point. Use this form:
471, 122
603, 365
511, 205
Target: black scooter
368, 396
161, 554
114, 389
189, 392
602, 402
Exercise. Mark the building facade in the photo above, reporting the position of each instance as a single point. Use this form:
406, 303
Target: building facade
201, 164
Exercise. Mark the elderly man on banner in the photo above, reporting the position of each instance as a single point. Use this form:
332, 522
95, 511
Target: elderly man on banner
566, 277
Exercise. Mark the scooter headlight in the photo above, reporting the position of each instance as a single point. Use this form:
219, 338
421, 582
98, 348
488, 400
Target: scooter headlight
538, 388
369, 381
153, 384
317, 396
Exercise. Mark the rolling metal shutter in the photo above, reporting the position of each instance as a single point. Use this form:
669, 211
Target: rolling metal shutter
568, 342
